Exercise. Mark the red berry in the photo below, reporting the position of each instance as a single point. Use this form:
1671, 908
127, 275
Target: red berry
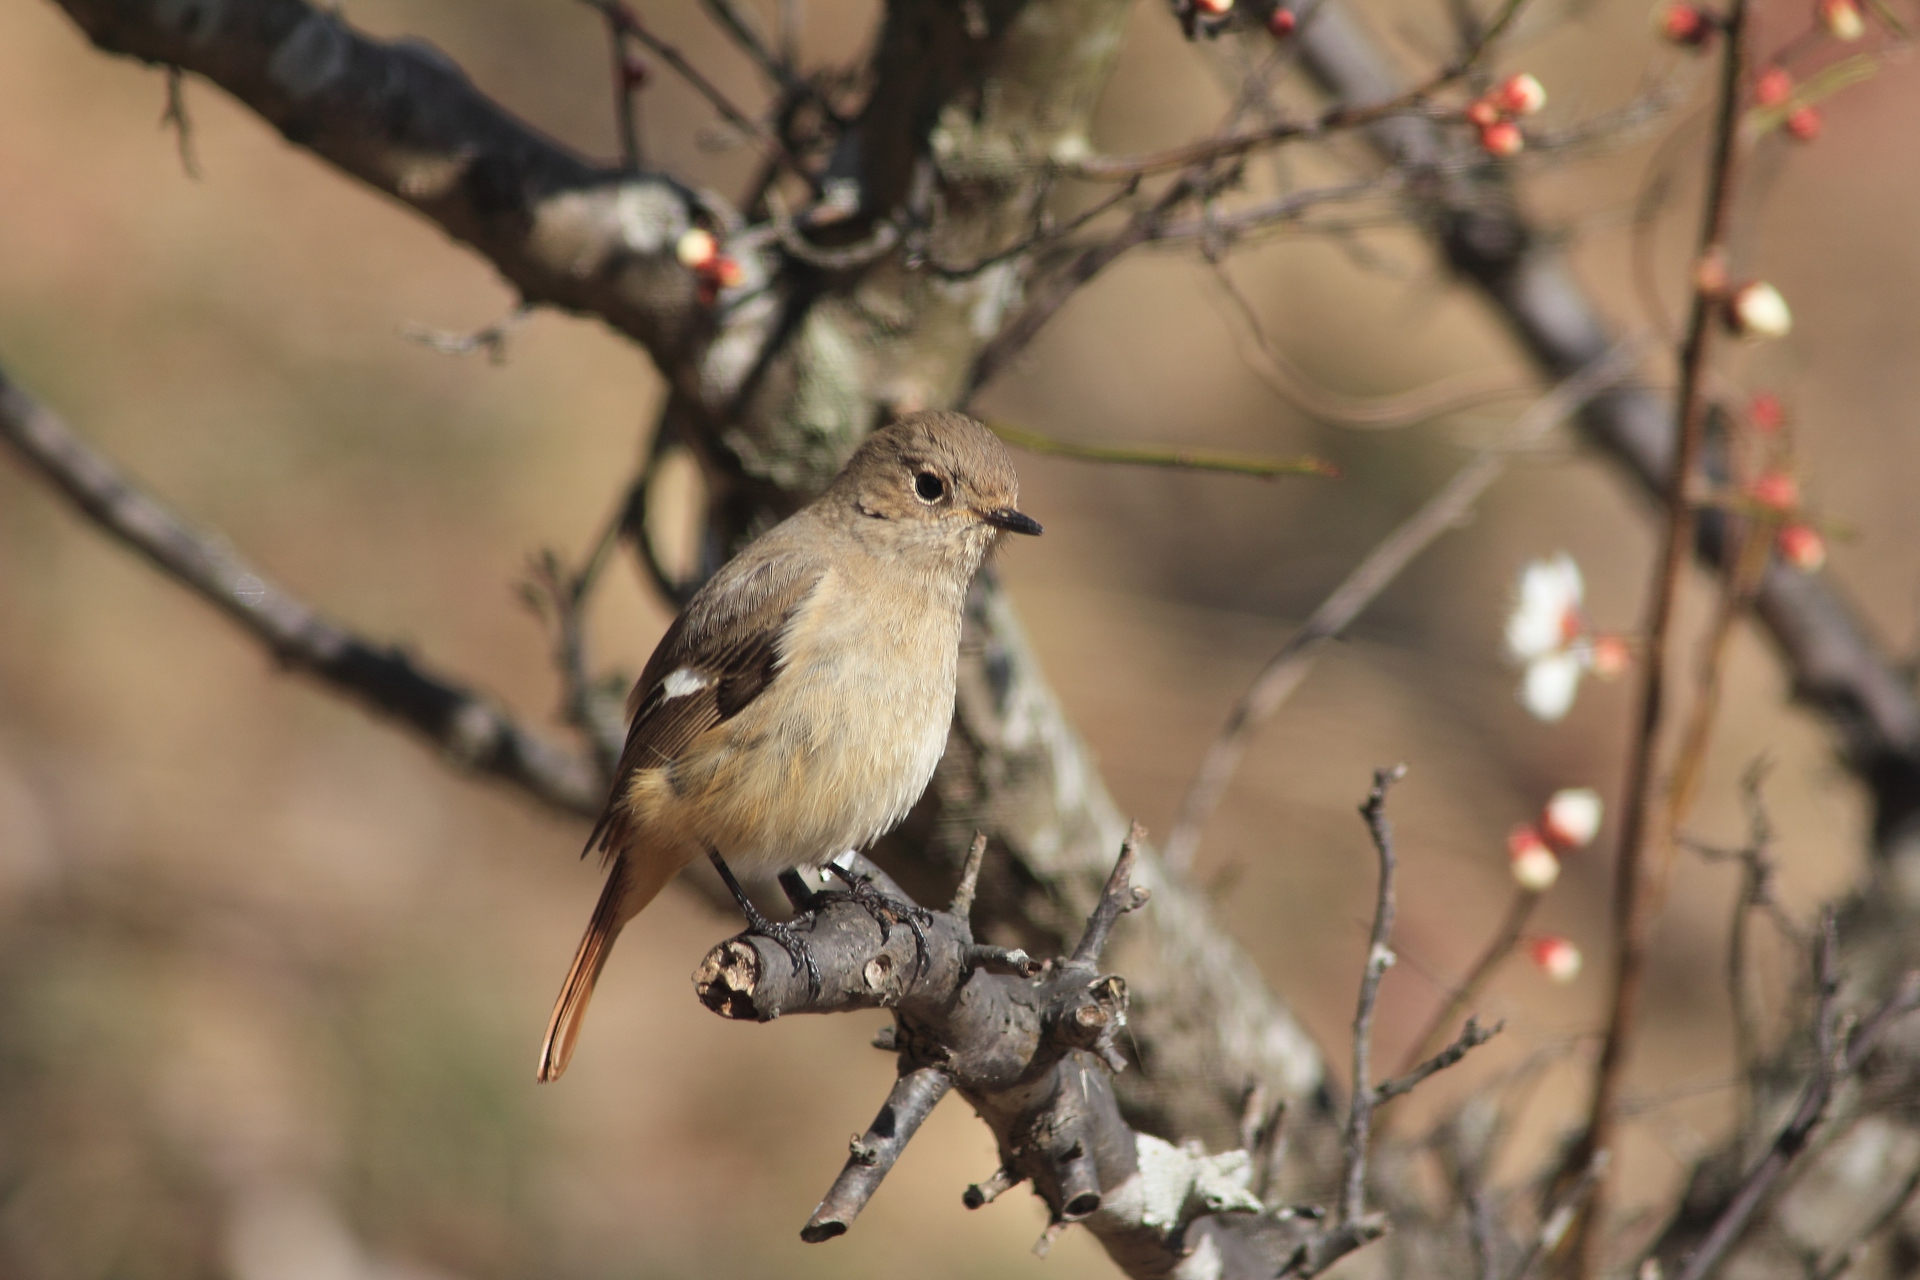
1213, 8
1803, 123
1483, 113
1281, 22
726, 272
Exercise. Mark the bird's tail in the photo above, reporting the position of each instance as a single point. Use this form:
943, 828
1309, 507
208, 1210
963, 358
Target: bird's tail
629, 889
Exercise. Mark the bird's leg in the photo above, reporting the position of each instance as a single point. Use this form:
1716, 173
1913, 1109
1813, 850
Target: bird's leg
888, 911
790, 942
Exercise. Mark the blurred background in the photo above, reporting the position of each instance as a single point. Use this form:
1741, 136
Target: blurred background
272, 977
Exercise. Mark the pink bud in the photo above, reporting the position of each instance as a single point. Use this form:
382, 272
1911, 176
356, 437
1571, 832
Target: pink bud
726, 272
1842, 19
1572, 817
1683, 24
1776, 490
1803, 124
1611, 657
634, 71
1521, 95
1502, 139
1801, 546
696, 248
1483, 113
1557, 958
1533, 864
1281, 22
1772, 87
1766, 413
1213, 8
1756, 310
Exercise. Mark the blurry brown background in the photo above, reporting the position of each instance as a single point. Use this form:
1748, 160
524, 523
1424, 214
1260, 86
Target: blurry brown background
272, 978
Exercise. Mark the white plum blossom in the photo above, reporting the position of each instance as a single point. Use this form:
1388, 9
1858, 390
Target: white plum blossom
1546, 634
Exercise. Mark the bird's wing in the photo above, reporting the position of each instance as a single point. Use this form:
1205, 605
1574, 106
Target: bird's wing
721, 653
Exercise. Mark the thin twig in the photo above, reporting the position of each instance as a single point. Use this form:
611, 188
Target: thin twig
741, 28
1353, 1197
622, 16
1471, 1037
1497, 950
175, 117
1285, 670
1554, 1228
492, 339
468, 729
1845, 1259
626, 96
1239, 464
1334, 119
1833, 1065
1632, 902
1119, 897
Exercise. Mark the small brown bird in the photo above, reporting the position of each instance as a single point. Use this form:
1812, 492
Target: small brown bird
798, 705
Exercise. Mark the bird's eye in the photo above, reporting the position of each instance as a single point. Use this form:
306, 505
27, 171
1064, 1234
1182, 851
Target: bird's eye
929, 487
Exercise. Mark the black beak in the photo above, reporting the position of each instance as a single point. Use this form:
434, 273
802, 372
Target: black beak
1012, 521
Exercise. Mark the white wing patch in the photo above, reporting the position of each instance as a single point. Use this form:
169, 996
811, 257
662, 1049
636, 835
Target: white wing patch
683, 682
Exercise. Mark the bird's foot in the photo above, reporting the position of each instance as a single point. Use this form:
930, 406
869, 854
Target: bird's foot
888, 911
786, 936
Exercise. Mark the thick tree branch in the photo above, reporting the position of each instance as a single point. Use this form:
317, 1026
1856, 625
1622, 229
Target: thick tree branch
402, 118
469, 730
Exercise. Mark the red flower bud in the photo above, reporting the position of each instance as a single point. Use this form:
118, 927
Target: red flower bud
1684, 24
1776, 490
1803, 124
1521, 95
1556, 957
1801, 546
1772, 87
1766, 414
1502, 139
1281, 22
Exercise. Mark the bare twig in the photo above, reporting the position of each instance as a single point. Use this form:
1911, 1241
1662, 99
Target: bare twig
622, 16
1118, 899
1471, 1037
1238, 464
1380, 958
1333, 120
1554, 1228
467, 728
739, 26
492, 339
1845, 1258
1505, 938
871, 1155
1834, 1063
627, 76
962, 905
175, 117
1633, 899
1288, 667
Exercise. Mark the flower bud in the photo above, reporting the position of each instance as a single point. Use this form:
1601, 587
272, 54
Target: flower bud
1521, 95
1801, 546
1557, 958
1775, 490
1502, 139
1610, 657
1534, 865
1483, 113
1572, 817
1842, 19
1213, 8
1772, 87
1281, 22
1756, 310
696, 248
1766, 413
1803, 124
1684, 24
726, 272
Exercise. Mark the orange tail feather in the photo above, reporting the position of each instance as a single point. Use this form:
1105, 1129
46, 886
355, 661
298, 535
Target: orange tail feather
629, 889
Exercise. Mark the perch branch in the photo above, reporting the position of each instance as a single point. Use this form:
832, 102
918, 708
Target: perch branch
466, 727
